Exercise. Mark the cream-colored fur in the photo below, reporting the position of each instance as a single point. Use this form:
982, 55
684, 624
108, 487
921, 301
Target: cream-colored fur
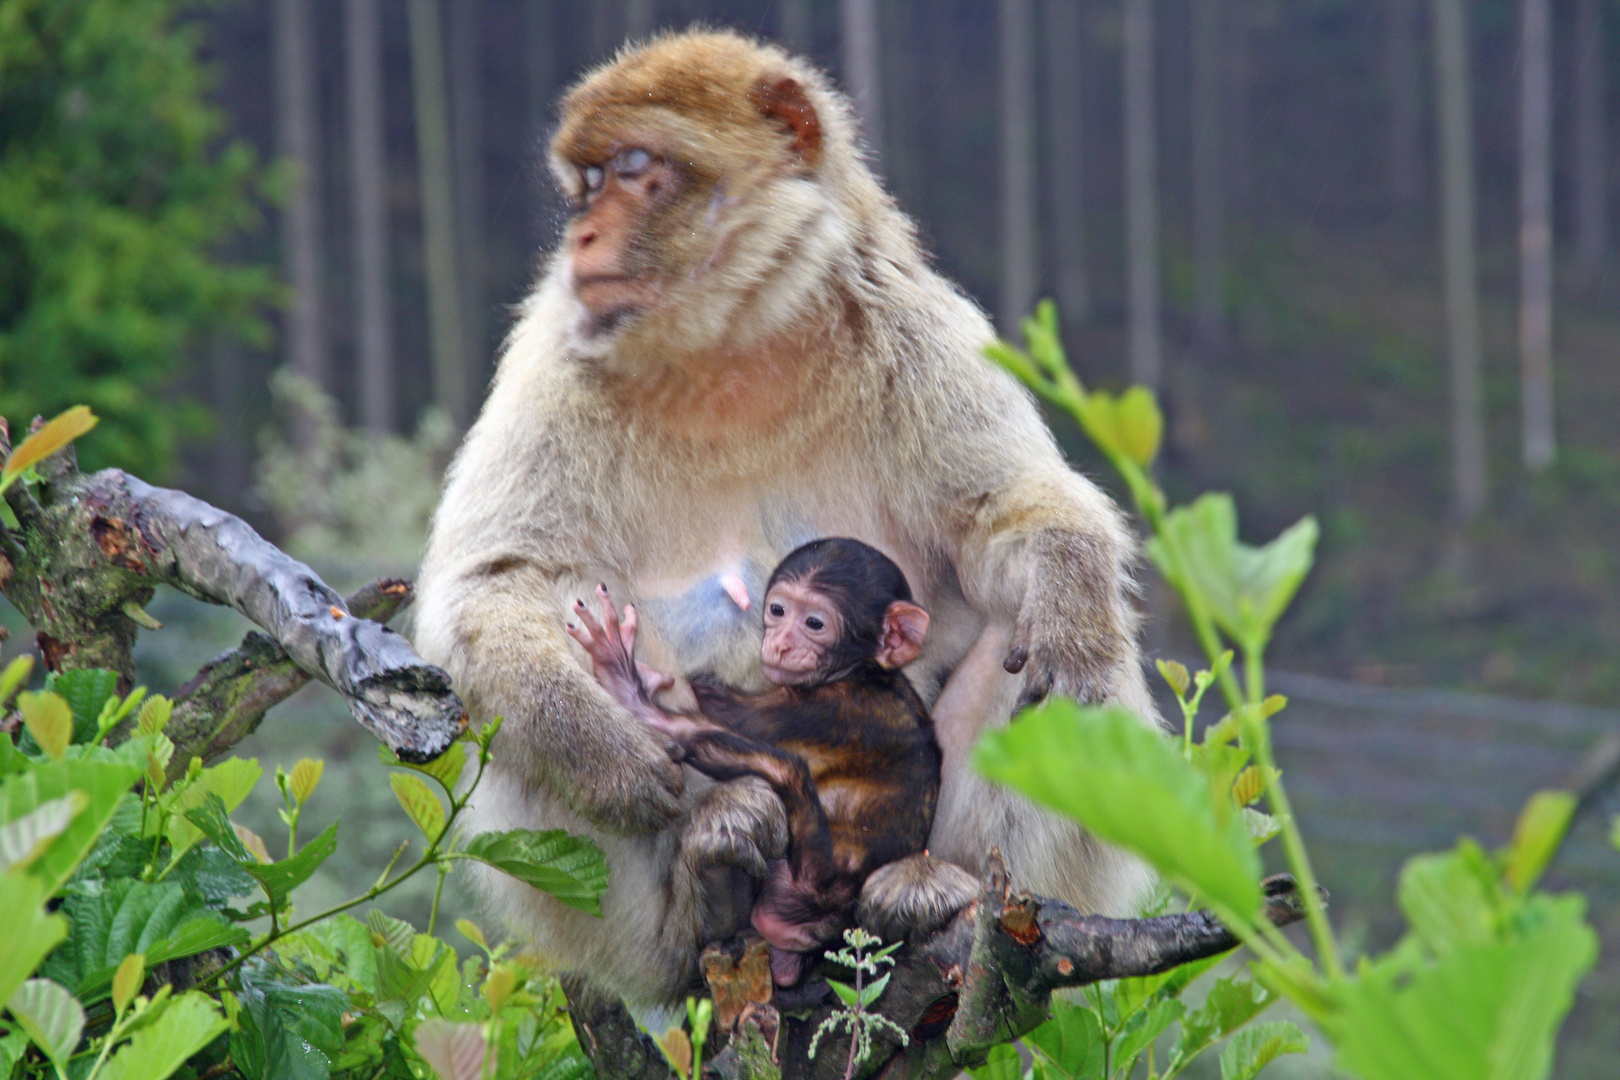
804, 374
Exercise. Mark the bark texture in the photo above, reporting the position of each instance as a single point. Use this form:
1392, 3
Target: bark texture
89, 551
985, 978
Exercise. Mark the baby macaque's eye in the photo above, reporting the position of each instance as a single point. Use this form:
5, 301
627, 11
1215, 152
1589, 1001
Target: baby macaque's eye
778, 610
593, 176
814, 623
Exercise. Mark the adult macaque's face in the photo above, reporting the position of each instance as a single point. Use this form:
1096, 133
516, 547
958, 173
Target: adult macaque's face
612, 269
802, 626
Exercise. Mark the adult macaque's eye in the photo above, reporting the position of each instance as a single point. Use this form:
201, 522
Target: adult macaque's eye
777, 610
814, 623
593, 176
632, 162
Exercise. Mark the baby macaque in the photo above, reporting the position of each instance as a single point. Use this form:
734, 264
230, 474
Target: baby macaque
842, 737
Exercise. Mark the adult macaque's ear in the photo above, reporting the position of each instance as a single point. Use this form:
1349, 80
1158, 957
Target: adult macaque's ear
785, 101
904, 627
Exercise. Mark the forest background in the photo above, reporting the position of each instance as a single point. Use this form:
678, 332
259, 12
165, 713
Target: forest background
1362, 249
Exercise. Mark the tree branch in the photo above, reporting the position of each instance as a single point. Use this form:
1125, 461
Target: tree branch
985, 978
90, 549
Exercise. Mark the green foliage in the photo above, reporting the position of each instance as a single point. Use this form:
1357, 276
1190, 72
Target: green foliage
860, 955
1488, 969
143, 875
115, 196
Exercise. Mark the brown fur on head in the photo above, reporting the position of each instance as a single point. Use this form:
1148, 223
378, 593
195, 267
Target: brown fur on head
728, 239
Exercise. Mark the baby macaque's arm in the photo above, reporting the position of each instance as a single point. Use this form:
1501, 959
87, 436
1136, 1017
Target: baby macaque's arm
611, 645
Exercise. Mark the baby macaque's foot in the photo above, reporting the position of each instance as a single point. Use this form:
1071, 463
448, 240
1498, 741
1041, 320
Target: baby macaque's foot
786, 967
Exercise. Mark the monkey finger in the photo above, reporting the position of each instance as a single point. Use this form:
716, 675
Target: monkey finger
588, 621
627, 628
610, 612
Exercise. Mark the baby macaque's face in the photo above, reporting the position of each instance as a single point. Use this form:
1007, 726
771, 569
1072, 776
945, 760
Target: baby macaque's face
802, 625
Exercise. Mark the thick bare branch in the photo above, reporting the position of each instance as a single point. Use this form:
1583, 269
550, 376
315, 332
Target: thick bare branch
90, 549
985, 978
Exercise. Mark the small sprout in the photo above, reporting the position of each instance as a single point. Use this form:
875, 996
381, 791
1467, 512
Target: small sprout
305, 777
127, 981
472, 933
499, 985
1175, 673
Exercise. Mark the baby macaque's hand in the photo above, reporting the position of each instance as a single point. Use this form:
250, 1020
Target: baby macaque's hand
611, 645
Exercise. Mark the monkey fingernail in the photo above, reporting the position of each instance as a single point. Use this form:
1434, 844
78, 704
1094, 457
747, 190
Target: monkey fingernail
1015, 661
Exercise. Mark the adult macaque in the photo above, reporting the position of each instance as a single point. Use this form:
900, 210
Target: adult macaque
843, 739
738, 347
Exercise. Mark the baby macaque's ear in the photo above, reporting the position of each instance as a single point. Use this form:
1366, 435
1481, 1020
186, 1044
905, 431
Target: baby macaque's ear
904, 627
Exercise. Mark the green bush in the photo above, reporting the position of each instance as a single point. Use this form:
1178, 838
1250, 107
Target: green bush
116, 193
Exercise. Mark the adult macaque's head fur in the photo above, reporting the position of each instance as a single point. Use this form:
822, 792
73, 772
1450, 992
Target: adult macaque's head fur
717, 188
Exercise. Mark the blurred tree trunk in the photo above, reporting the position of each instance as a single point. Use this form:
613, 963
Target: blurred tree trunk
899, 72
606, 29
794, 25
1018, 192
640, 16
1141, 195
447, 329
1239, 74
368, 200
1455, 122
1403, 80
1591, 142
298, 141
1535, 232
1065, 66
862, 72
1209, 176
540, 62
467, 163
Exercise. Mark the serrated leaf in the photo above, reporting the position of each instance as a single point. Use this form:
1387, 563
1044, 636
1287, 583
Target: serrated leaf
25, 839
281, 878
1145, 1026
422, 806
1486, 1009
1175, 674
232, 780
1249, 786
874, 990
1540, 829
845, 992
1002, 1063
127, 981
395, 934
49, 720
1071, 1041
570, 868
159, 920
15, 674
306, 776
1253, 1048
1130, 424
87, 691
103, 783
52, 436
1450, 898
1129, 786
252, 843
458, 1051
1231, 1003
30, 933
154, 715
52, 1017
157, 760
1260, 825
471, 932
190, 1023
1246, 588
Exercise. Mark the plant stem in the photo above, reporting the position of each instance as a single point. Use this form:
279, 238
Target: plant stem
1254, 673
438, 888
1299, 860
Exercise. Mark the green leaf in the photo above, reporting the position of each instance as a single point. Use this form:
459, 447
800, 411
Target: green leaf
1130, 425
454, 1051
1232, 1002
396, 934
1246, 588
424, 808
1144, 1027
571, 868
15, 674
281, 878
13, 1047
1540, 829
1128, 785
290, 1032
103, 784
190, 1023
874, 990
1252, 1049
1071, 1042
1002, 1064
446, 768
25, 840
87, 691
48, 720
127, 981
51, 1016
845, 993
232, 780
1486, 1010
1451, 898
30, 933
